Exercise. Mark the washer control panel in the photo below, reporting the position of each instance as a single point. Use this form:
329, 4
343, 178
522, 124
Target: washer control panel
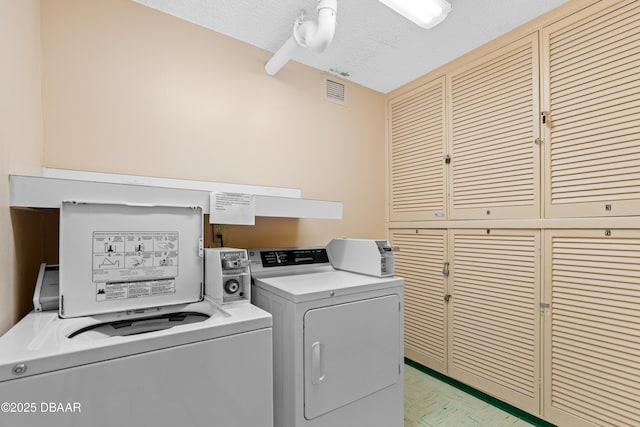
227, 278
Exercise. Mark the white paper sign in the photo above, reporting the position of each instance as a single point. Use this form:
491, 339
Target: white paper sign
232, 208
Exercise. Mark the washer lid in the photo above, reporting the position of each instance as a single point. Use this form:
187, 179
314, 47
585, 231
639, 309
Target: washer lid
40, 341
126, 257
315, 286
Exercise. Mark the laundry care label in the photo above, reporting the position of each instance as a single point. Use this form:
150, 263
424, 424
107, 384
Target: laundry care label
129, 290
134, 264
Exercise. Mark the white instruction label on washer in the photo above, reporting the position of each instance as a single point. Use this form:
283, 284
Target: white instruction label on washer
121, 256
131, 290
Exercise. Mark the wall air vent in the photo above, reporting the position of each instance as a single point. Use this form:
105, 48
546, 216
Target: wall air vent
335, 91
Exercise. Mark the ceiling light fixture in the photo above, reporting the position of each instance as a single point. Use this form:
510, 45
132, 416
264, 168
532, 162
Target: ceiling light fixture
425, 13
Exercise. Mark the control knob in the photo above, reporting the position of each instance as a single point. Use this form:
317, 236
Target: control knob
231, 286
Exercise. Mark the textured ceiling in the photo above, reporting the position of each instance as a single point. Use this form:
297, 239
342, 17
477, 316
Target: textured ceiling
377, 47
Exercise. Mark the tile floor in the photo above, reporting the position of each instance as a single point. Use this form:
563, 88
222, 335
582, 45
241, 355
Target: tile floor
430, 402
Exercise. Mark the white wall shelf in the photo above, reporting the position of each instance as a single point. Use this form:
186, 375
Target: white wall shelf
152, 181
57, 185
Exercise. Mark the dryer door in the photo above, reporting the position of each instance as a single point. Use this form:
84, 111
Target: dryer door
351, 351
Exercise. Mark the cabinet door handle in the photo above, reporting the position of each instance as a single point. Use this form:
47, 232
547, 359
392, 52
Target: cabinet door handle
317, 365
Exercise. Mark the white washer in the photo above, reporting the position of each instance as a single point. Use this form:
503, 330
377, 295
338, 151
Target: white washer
337, 340
154, 351
213, 372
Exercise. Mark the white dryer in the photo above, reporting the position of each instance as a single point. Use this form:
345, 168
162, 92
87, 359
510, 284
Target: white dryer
337, 340
134, 340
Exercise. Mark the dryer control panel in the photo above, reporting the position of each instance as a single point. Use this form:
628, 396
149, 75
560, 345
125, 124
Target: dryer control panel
283, 261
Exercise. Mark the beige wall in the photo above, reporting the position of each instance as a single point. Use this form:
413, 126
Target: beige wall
117, 87
131, 90
20, 128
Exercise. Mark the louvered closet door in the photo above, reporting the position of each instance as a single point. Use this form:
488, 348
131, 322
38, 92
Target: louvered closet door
495, 165
494, 319
591, 88
592, 360
416, 149
419, 260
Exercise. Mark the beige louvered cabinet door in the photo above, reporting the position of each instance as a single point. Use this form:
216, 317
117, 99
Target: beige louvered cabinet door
592, 331
591, 97
494, 124
416, 138
494, 315
419, 260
